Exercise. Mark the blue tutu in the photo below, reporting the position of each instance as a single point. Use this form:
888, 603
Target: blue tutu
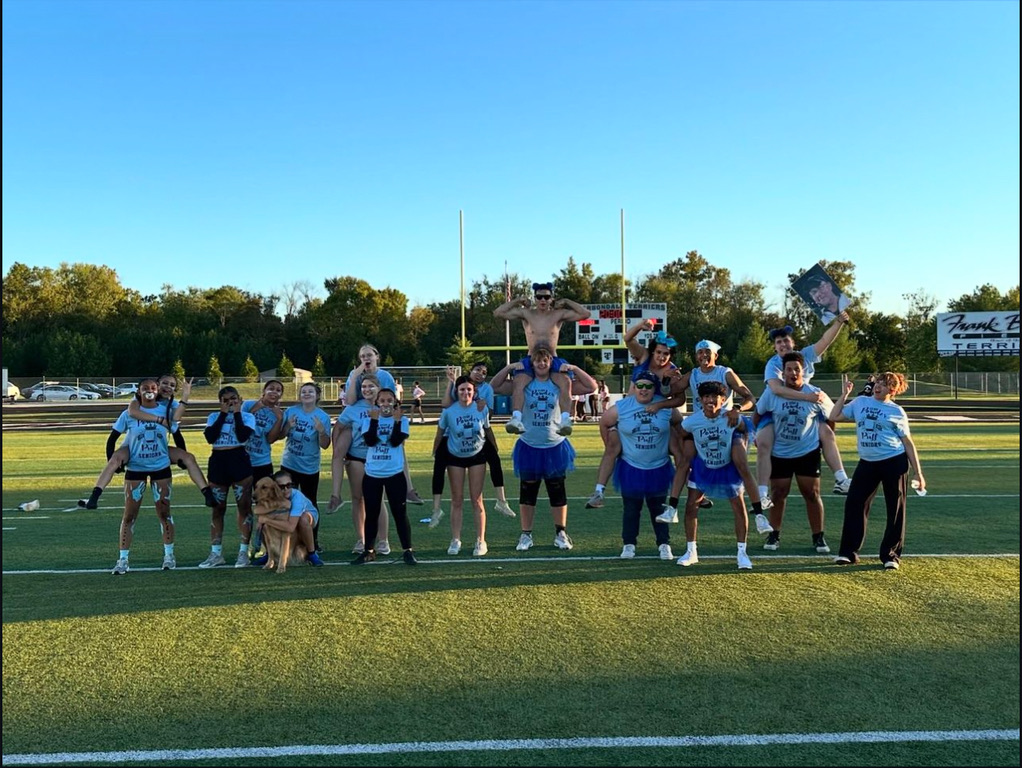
543, 463
723, 483
639, 483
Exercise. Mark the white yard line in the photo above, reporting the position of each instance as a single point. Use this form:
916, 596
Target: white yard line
513, 745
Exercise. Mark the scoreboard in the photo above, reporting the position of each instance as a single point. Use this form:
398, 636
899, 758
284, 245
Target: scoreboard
605, 327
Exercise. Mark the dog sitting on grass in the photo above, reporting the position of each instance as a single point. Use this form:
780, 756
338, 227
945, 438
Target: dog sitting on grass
283, 548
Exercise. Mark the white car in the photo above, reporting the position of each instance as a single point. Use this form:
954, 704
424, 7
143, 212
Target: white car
62, 392
125, 390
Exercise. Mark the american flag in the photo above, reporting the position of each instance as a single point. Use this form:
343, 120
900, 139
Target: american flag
507, 284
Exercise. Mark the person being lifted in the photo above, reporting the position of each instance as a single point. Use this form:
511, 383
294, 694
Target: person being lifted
542, 320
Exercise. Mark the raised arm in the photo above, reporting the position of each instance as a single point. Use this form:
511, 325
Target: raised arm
835, 412
571, 311
448, 398
830, 334
638, 352
513, 310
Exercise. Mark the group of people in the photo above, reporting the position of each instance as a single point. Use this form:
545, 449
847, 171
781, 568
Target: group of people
651, 452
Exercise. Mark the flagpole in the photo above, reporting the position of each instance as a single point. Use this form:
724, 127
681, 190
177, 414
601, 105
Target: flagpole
461, 250
507, 323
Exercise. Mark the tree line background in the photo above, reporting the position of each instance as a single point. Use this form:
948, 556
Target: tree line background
78, 320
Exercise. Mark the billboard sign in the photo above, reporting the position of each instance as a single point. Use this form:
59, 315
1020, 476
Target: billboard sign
978, 334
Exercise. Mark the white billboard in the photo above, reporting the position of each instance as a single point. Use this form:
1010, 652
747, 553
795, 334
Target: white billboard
977, 334
605, 328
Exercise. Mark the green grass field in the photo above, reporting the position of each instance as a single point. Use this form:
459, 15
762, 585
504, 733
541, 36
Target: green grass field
541, 645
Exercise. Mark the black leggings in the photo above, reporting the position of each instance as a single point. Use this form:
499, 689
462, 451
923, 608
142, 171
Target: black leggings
396, 488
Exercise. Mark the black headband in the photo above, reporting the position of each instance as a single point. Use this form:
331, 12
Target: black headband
542, 286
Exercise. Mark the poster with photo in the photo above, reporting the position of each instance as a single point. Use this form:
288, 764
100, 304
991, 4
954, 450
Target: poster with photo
819, 291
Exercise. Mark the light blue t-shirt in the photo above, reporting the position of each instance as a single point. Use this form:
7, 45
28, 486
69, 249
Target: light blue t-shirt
385, 379
465, 429
879, 427
775, 368
541, 414
717, 373
384, 459
228, 438
148, 449
300, 504
301, 447
125, 421
352, 416
712, 438
259, 451
796, 422
645, 437
484, 392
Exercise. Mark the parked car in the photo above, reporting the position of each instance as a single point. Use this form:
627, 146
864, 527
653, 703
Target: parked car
12, 393
105, 390
125, 390
30, 393
63, 392
101, 390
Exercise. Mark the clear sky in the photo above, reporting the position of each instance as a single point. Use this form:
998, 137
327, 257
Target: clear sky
260, 143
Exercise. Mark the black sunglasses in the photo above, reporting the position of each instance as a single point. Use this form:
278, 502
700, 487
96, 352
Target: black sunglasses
544, 296
283, 486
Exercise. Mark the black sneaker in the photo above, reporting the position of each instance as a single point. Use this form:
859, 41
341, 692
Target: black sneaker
366, 557
409, 557
706, 503
773, 541
820, 543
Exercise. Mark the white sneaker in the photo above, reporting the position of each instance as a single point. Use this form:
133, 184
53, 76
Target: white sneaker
359, 547
480, 549
766, 502
841, 487
383, 547
595, 501
665, 552
524, 542
763, 526
504, 508
434, 519
514, 426
120, 567
669, 515
563, 541
890, 565
242, 561
689, 558
213, 561
744, 563
169, 563
565, 427
455, 547
627, 551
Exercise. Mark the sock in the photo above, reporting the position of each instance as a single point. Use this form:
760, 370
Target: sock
690, 546
840, 475
168, 550
217, 549
528, 531
741, 547
757, 507
673, 502
93, 501
558, 529
764, 492
600, 487
243, 548
517, 415
124, 554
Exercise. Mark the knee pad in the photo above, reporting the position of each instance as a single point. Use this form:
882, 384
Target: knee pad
557, 491
528, 493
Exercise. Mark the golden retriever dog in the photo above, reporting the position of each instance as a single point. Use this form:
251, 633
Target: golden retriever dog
282, 548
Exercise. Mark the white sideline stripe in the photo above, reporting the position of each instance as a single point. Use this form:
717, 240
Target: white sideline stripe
10, 529
27, 517
525, 559
570, 498
509, 745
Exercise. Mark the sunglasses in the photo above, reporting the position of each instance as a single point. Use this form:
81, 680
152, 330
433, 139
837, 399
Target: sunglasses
544, 296
643, 385
284, 486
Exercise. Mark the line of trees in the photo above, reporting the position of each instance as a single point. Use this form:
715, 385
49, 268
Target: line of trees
78, 320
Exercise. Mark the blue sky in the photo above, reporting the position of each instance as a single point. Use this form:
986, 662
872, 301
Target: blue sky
261, 143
